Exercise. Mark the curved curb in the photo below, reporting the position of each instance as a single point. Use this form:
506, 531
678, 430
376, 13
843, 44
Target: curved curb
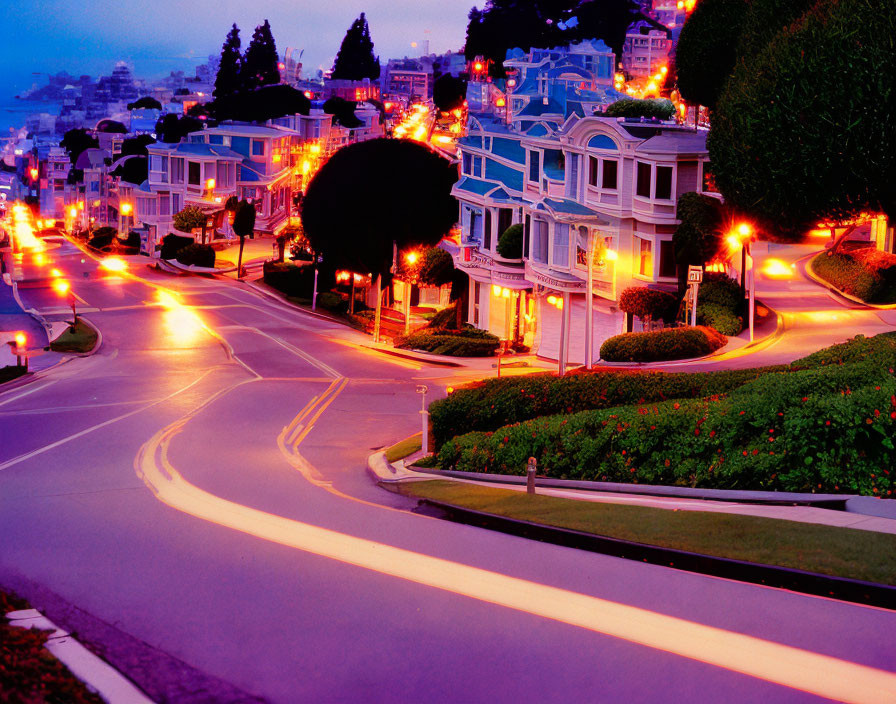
96, 673
96, 346
841, 588
810, 272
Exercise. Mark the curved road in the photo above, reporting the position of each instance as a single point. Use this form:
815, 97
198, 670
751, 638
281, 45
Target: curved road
199, 485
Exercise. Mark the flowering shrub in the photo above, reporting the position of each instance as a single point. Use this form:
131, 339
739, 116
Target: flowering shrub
866, 274
661, 345
492, 403
810, 429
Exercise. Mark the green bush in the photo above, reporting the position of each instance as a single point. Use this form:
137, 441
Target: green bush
332, 302
102, 237
296, 281
720, 290
172, 244
510, 244
197, 255
662, 345
632, 107
808, 429
846, 272
445, 318
468, 342
487, 405
719, 318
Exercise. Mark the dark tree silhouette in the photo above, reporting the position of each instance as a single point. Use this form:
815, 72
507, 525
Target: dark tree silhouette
133, 170
227, 82
355, 60
448, 92
371, 194
77, 141
265, 103
243, 226
146, 102
343, 111
172, 129
260, 60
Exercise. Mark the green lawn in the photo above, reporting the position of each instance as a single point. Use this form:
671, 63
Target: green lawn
80, 339
840, 552
28, 671
406, 447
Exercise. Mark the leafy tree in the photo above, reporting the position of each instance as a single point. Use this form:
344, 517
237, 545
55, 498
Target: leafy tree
172, 129
260, 61
698, 238
260, 105
632, 107
707, 49
189, 219
145, 103
227, 82
243, 226
506, 24
355, 60
448, 92
510, 243
646, 303
433, 267
77, 141
136, 146
802, 131
111, 126
134, 169
400, 193
343, 111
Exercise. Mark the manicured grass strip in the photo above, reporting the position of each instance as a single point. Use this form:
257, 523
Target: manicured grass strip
80, 339
11, 372
28, 671
406, 447
839, 552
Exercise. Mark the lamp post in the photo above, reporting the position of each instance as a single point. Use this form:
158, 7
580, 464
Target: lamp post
589, 301
424, 414
743, 236
62, 287
19, 346
319, 260
411, 258
123, 212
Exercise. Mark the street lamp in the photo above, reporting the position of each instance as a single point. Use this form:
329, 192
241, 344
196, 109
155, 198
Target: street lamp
411, 258
743, 236
63, 287
18, 345
123, 212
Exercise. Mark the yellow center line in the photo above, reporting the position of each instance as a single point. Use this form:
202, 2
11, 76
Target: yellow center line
784, 665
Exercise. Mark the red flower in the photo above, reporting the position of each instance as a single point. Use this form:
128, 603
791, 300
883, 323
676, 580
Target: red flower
755, 452
745, 453
676, 406
506, 439
623, 452
697, 431
805, 399
827, 422
712, 433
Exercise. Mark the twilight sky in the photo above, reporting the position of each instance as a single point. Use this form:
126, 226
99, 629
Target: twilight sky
156, 36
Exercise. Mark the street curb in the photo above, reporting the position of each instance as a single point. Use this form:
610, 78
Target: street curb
97, 674
843, 589
833, 289
774, 498
96, 346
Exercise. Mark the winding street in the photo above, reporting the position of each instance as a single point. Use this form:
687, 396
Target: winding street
199, 484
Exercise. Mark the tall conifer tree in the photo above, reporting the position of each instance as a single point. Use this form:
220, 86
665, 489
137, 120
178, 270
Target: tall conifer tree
355, 60
260, 61
227, 81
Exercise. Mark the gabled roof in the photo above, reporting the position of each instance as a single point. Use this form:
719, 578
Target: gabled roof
675, 142
564, 206
475, 186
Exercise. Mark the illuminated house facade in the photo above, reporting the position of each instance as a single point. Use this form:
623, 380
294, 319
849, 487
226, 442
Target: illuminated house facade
586, 189
250, 162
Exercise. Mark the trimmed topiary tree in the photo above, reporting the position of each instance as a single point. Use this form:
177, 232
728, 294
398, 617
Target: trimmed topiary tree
189, 219
510, 243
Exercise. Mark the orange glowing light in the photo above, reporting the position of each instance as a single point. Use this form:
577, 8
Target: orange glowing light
315, 149
477, 66
126, 208
449, 389
411, 257
500, 102
744, 230
308, 94
114, 264
611, 255
306, 166
776, 269
55, 273
73, 212
61, 287
40, 259
34, 174
20, 339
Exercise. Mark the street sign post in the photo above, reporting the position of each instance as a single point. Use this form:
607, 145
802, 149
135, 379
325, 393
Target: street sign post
695, 277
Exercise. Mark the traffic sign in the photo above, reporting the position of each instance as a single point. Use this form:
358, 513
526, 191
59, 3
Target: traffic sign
695, 274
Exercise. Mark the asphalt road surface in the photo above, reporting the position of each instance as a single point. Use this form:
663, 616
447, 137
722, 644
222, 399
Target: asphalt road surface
199, 485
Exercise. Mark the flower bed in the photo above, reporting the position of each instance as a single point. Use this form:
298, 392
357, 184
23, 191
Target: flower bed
489, 404
867, 274
468, 342
662, 345
826, 425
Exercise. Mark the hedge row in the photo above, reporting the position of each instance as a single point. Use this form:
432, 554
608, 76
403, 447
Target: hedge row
859, 274
812, 429
197, 255
296, 281
468, 342
662, 345
488, 405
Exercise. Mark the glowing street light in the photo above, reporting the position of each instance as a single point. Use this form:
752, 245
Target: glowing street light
62, 287
18, 348
126, 208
